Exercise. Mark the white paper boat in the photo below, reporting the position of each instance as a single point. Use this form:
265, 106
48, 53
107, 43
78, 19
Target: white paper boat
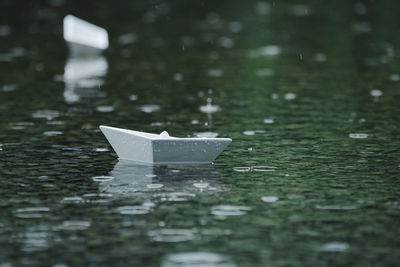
84, 38
163, 149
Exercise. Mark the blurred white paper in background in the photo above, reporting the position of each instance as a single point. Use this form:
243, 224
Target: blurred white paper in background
85, 67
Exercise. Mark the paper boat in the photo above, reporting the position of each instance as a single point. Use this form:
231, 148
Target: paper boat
84, 38
163, 149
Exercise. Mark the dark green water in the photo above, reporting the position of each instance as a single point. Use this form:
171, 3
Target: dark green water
293, 85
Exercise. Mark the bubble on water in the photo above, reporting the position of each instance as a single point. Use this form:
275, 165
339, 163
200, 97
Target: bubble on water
174, 196
290, 96
178, 77
336, 207
376, 93
335, 247
229, 210
74, 225
235, 26
268, 121
241, 169
209, 108
215, 73
269, 199
75, 199
206, 134
105, 108
31, 212
52, 133
358, 135
133, 97
263, 168
264, 72
149, 108
102, 178
172, 235
154, 186
262, 8
46, 114
134, 210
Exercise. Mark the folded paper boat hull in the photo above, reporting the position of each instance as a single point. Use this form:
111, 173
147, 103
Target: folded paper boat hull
154, 149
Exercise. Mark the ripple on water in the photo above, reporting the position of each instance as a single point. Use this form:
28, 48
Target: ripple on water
335, 247
209, 108
358, 135
215, 73
74, 225
154, 186
46, 114
102, 178
149, 108
52, 133
201, 185
133, 97
263, 168
31, 212
268, 121
376, 93
206, 134
101, 149
241, 169
172, 235
336, 207
197, 259
264, 72
290, 96
229, 210
75, 199
134, 210
269, 199
248, 132
105, 108
174, 197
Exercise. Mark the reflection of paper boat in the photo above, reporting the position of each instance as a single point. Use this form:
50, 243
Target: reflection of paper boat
163, 149
84, 38
133, 179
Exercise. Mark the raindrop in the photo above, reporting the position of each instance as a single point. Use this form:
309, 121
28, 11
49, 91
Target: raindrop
263, 168
149, 108
290, 96
376, 93
47, 114
206, 134
133, 97
105, 108
155, 186
268, 121
264, 72
215, 73
269, 199
358, 135
241, 169
102, 178
172, 235
101, 149
229, 210
249, 132
335, 207
134, 210
209, 108
52, 133
74, 225
335, 247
